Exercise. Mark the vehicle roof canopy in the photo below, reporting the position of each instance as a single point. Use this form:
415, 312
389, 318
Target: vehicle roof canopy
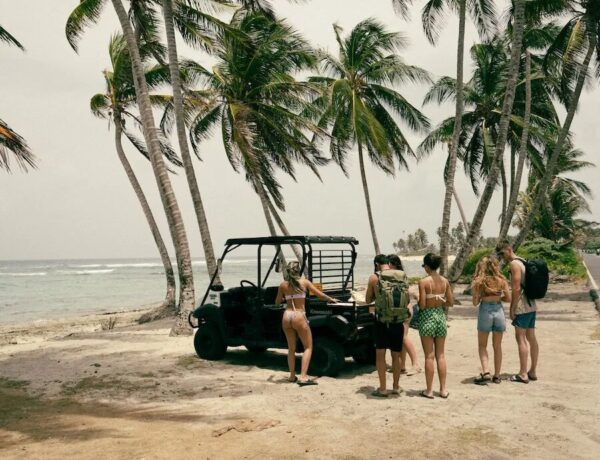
277, 240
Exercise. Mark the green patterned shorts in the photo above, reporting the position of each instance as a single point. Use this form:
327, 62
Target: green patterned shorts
432, 322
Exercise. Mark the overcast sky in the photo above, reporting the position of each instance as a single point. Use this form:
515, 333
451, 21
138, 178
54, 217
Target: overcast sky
79, 203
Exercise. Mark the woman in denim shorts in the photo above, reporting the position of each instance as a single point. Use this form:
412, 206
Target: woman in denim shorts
489, 289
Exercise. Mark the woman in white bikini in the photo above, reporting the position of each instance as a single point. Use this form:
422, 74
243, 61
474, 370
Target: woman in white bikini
294, 323
435, 293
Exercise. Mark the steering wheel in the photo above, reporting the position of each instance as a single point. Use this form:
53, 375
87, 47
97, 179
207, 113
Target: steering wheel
250, 283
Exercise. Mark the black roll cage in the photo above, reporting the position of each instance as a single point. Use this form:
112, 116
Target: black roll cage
305, 242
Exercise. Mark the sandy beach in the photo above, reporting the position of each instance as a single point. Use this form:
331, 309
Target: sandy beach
71, 390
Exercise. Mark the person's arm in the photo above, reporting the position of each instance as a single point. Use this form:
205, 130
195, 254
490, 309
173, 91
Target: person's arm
476, 294
422, 295
515, 281
321, 295
370, 295
506, 290
279, 298
449, 295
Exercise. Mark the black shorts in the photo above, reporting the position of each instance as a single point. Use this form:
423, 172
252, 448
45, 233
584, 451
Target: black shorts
389, 336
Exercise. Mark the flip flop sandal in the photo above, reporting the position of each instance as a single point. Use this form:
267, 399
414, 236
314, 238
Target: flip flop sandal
397, 391
379, 394
533, 379
306, 383
483, 379
517, 378
294, 380
412, 372
496, 379
425, 395
445, 396
403, 371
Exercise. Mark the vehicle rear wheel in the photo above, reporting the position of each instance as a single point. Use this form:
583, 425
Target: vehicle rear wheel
327, 358
364, 354
209, 343
255, 349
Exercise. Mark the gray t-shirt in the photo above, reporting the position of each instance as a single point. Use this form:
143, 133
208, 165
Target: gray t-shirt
525, 305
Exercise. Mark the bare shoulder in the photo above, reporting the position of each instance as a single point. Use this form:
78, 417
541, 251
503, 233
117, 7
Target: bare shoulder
283, 285
373, 279
422, 281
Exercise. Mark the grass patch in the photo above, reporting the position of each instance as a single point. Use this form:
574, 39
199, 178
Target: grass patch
188, 361
596, 334
11, 384
103, 383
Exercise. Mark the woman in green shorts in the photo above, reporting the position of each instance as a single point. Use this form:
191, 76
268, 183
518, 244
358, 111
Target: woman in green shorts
435, 293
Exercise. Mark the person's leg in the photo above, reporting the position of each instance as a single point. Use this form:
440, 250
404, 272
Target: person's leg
520, 335
427, 343
290, 336
396, 366
396, 341
440, 358
534, 350
409, 348
303, 330
381, 368
482, 340
497, 344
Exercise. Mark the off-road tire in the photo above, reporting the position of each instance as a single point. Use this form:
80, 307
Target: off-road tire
209, 343
327, 357
255, 349
365, 354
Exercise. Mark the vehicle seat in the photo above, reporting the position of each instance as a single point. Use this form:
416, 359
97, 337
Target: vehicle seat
270, 295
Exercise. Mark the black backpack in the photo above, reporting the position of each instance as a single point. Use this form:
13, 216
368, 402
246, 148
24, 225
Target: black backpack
537, 277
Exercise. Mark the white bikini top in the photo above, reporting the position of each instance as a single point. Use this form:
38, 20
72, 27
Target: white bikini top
441, 296
301, 295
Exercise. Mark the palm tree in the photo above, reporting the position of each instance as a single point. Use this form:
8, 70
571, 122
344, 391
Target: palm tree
576, 45
199, 22
483, 14
88, 12
565, 199
360, 102
253, 96
503, 131
10, 141
115, 105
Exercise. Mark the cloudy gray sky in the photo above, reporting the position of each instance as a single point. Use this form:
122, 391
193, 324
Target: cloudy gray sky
79, 204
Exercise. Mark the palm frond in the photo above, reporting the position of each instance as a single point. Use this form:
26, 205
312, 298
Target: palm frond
84, 15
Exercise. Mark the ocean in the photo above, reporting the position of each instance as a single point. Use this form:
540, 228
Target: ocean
51, 289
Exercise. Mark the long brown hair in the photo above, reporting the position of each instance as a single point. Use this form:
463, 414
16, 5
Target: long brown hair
488, 276
292, 275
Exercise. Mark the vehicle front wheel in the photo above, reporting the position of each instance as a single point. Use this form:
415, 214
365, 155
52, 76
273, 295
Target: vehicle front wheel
327, 358
209, 343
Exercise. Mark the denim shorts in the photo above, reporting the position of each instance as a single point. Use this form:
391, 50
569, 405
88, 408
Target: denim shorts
491, 317
525, 320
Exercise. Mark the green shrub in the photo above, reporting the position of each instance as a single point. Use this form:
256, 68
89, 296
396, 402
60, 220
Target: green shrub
472, 262
561, 260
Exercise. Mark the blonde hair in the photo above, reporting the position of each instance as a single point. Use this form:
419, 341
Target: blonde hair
488, 275
292, 275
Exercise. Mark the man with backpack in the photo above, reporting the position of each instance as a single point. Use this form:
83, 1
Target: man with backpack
389, 290
529, 281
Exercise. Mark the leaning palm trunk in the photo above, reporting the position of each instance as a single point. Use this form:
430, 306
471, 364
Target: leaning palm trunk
516, 183
461, 210
284, 229
167, 308
504, 192
486, 196
363, 175
444, 236
171, 208
188, 166
553, 160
